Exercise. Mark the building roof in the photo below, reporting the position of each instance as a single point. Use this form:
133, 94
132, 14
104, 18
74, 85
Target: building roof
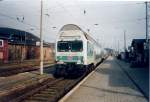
139, 40
74, 28
15, 36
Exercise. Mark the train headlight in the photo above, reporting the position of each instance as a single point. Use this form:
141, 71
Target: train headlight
79, 62
60, 62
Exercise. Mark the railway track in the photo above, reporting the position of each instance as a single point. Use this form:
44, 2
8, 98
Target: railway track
12, 71
8, 72
51, 91
45, 90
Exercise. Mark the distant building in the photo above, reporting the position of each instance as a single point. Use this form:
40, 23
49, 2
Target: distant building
139, 52
15, 36
138, 45
17, 45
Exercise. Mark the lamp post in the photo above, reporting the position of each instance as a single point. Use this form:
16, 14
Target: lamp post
146, 21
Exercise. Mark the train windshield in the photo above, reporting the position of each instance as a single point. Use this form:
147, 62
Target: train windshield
73, 46
63, 46
76, 46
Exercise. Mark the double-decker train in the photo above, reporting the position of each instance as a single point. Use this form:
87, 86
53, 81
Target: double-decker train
76, 51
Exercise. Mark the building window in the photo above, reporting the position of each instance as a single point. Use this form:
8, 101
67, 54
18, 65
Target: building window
1, 43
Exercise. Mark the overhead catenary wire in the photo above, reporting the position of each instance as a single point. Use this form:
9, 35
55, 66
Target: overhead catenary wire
77, 20
127, 21
19, 21
69, 13
14, 18
65, 11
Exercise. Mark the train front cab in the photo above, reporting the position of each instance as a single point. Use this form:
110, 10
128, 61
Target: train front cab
69, 58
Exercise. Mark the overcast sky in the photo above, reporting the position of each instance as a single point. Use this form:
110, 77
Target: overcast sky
112, 18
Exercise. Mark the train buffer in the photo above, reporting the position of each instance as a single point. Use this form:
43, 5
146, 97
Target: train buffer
112, 81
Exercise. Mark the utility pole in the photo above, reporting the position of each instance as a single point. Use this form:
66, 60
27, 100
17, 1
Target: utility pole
146, 23
41, 38
124, 40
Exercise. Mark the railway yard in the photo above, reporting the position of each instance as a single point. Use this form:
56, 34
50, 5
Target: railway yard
74, 51
31, 86
102, 82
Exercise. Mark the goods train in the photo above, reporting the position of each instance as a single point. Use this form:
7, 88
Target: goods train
76, 51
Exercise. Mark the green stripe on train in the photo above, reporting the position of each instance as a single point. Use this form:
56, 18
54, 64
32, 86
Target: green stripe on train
68, 58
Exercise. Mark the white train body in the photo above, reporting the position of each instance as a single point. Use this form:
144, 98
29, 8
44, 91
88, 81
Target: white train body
75, 47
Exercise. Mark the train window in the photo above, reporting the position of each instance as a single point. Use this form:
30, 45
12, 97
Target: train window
90, 49
1, 43
76, 46
63, 46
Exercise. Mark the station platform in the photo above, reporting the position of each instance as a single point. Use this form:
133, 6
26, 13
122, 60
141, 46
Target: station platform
108, 83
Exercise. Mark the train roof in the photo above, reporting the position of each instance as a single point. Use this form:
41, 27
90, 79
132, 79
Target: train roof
71, 27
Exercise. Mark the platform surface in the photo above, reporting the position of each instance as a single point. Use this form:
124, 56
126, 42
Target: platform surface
108, 83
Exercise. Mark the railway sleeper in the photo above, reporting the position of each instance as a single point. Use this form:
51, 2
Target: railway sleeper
43, 95
45, 92
30, 101
39, 99
51, 91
